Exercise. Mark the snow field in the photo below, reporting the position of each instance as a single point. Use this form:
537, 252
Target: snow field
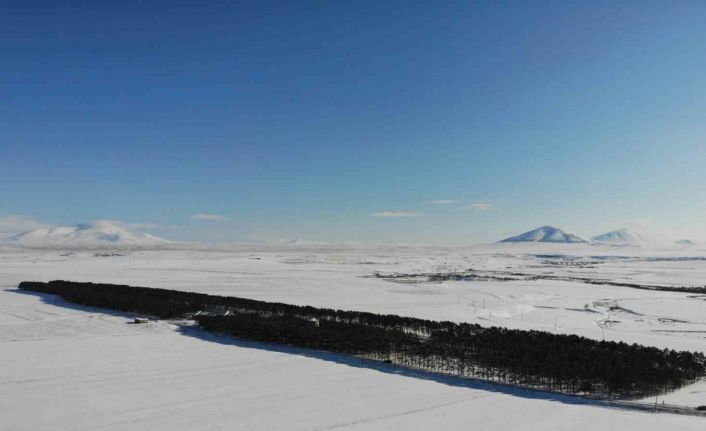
64, 367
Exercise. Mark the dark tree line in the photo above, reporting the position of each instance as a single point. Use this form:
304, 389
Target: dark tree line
558, 362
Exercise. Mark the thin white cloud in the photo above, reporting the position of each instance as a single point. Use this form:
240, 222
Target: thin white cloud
143, 225
14, 223
640, 222
149, 226
482, 206
208, 217
395, 214
444, 202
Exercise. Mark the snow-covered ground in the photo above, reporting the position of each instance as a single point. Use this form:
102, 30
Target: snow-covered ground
68, 367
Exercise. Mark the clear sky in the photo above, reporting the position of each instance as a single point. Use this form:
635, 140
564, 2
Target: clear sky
457, 122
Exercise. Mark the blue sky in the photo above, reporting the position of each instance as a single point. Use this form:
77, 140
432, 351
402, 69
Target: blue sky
335, 121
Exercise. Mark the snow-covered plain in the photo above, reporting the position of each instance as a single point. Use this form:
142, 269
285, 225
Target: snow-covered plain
64, 367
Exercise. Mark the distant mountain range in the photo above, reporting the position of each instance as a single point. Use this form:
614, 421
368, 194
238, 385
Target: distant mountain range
98, 233
107, 233
546, 234
622, 236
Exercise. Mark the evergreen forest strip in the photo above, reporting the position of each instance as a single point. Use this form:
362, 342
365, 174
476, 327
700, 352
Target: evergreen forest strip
564, 363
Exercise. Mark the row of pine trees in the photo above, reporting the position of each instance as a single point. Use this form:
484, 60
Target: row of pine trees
536, 359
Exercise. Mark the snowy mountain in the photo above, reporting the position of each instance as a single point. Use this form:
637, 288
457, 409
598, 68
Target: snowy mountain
624, 236
98, 233
546, 234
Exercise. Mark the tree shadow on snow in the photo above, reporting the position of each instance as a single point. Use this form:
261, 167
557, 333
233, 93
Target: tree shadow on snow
387, 368
338, 358
58, 301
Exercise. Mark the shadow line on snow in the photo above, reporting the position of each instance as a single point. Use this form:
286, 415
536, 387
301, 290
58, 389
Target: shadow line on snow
370, 364
58, 301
